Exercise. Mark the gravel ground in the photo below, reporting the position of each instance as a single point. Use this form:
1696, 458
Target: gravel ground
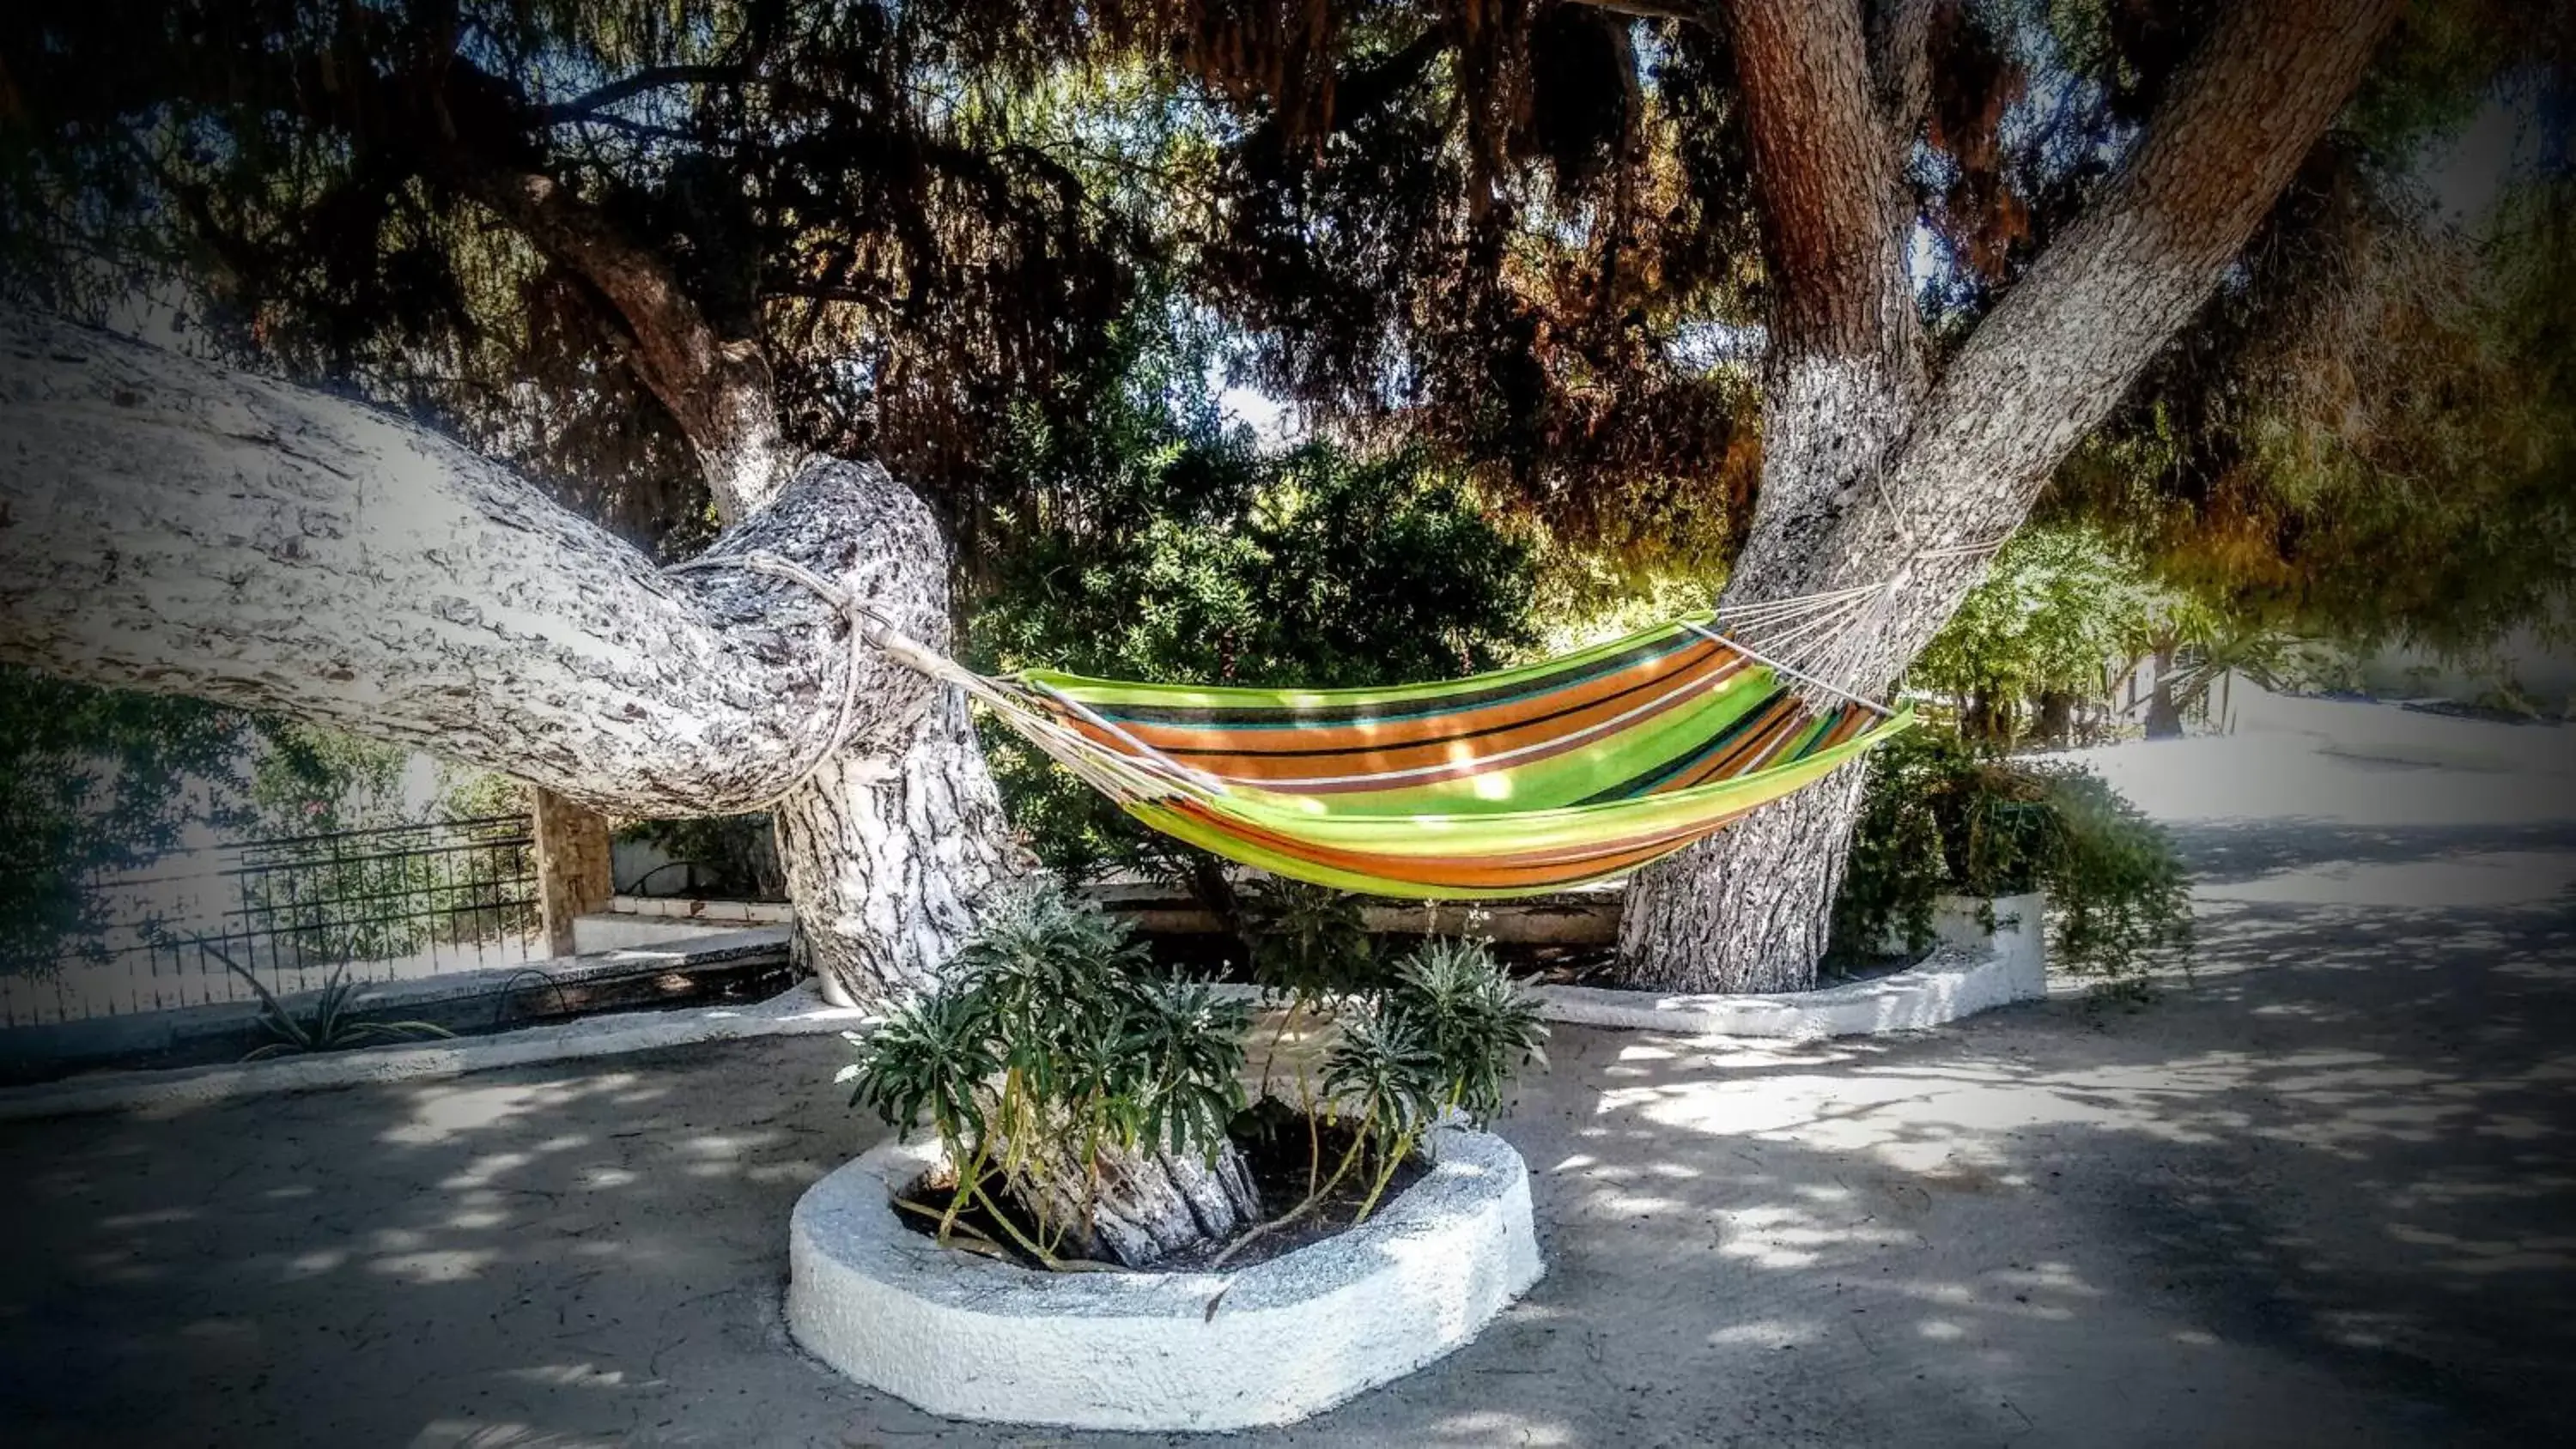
2321, 1193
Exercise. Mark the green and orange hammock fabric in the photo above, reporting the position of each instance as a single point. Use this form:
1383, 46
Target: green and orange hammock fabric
1507, 784
1515, 783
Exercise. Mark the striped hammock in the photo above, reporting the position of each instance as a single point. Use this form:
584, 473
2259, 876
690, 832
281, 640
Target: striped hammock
1508, 784
1514, 783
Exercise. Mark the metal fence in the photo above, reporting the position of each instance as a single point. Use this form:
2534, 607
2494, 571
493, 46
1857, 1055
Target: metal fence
412, 900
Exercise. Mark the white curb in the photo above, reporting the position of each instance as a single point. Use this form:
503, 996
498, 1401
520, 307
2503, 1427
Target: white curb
1962, 977
972, 1338
1954, 981
797, 1012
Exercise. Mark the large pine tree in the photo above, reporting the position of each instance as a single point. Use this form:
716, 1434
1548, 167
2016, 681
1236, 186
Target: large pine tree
1829, 291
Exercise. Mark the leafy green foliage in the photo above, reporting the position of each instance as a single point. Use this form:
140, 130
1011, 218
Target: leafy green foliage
96, 781
1158, 542
1941, 816
932, 1058
1507, 232
1309, 943
2118, 891
2059, 606
1446, 1034
1052, 1028
1461, 1013
1058, 999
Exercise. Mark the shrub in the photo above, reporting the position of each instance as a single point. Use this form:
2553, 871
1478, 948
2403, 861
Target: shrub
1053, 1046
1308, 943
1940, 816
1445, 1033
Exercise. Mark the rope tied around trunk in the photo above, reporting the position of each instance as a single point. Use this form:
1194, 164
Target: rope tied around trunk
871, 628
864, 620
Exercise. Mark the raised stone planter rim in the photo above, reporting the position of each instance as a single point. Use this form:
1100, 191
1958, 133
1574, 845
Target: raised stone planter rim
1159, 1350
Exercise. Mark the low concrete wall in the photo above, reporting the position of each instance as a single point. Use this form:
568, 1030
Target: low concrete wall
1968, 973
972, 1338
629, 974
1586, 917
542, 985
1951, 983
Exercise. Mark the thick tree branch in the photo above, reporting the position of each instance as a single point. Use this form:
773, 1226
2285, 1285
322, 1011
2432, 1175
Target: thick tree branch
589, 103
477, 133
170, 525
1832, 231
2062, 347
718, 389
1900, 64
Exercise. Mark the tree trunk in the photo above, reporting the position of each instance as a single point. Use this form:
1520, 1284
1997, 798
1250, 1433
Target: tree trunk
1866, 467
1751, 905
171, 525
2164, 713
1149, 1204
2056, 722
887, 857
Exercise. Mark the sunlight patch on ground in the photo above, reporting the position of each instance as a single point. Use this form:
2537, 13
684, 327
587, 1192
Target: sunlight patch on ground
447, 1265
1496, 1427
2466, 882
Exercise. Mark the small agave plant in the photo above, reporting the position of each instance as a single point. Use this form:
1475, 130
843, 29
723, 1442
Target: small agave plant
329, 1025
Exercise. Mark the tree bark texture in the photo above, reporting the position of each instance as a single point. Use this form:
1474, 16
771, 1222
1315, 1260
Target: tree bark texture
1867, 462
171, 525
1150, 1204
2164, 712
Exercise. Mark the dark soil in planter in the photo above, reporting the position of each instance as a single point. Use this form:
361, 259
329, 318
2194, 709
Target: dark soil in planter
1277, 1145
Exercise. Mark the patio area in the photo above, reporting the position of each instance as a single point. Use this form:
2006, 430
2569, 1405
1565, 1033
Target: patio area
2323, 1193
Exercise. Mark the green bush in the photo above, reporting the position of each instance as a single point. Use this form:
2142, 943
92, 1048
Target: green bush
1053, 1041
1052, 1030
1162, 543
1444, 1034
1940, 815
1308, 943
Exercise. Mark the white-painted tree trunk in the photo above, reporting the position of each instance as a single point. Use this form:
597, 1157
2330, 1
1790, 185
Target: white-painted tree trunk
171, 525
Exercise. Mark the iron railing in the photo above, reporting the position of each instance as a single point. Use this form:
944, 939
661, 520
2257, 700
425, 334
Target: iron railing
409, 900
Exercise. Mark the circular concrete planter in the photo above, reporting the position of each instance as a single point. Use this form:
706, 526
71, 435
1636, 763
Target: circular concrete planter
973, 1338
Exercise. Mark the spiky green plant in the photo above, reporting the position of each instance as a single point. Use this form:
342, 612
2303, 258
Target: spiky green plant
329, 1025
1053, 1042
1446, 1034
1308, 943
